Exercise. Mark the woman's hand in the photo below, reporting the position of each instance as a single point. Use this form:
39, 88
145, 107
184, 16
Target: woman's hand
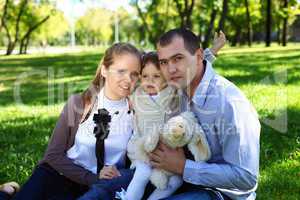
10, 188
109, 172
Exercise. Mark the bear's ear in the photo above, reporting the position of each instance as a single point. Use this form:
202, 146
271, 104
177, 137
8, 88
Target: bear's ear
199, 145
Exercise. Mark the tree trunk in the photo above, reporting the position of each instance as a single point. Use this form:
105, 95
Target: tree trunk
25, 38
185, 12
12, 42
249, 26
10, 47
237, 37
189, 11
22, 45
4, 14
223, 16
208, 33
26, 45
278, 32
285, 23
145, 25
268, 23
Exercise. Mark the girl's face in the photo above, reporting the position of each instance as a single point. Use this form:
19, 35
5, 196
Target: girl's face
121, 76
152, 80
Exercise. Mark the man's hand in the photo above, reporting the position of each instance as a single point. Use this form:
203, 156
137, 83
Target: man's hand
109, 172
169, 159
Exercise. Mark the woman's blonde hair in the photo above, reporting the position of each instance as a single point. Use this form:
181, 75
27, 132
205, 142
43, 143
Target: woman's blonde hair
110, 54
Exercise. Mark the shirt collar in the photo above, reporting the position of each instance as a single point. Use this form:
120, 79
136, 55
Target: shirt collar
201, 90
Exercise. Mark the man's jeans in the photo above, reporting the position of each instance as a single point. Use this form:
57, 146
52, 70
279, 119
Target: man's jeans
105, 189
199, 195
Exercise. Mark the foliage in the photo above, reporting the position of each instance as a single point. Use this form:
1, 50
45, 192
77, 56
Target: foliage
52, 32
95, 26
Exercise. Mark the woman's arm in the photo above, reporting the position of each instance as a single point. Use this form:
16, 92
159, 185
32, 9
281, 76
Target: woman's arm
55, 154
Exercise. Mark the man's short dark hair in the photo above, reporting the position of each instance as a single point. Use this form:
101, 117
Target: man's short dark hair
191, 41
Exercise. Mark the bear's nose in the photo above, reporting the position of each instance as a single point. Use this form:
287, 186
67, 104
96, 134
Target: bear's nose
177, 132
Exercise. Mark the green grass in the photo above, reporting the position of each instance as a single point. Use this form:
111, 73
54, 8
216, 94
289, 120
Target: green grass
270, 78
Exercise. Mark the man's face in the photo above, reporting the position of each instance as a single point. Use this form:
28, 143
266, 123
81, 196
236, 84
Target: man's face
177, 64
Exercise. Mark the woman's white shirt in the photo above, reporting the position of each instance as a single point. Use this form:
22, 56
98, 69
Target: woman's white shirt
121, 126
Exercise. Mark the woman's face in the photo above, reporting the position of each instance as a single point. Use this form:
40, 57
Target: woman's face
152, 80
121, 76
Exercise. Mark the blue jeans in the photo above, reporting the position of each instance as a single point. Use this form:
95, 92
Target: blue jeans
190, 191
4, 196
46, 183
105, 189
197, 195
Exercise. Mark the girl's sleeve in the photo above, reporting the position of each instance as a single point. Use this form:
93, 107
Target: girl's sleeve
209, 56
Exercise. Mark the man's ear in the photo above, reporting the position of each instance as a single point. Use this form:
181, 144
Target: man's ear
199, 55
103, 71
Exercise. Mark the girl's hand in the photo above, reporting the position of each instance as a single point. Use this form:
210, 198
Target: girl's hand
109, 172
218, 43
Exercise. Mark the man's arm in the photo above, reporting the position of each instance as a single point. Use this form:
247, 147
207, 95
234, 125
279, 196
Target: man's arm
238, 131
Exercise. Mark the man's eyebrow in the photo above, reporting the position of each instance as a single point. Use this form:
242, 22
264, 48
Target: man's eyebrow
173, 56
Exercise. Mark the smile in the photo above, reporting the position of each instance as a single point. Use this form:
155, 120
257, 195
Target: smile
125, 87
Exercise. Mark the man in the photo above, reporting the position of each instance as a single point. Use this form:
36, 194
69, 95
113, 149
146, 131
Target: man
229, 121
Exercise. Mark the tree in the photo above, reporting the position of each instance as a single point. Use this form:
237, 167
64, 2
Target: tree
185, 9
268, 23
209, 31
95, 26
285, 22
223, 15
25, 39
52, 32
20, 20
33, 18
152, 19
7, 16
249, 26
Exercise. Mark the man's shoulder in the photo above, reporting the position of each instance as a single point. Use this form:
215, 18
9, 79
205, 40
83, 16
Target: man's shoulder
227, 90
231, 98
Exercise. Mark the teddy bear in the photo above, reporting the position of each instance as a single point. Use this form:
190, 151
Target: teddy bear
178, 131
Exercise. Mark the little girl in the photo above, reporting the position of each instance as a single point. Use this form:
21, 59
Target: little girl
153, 102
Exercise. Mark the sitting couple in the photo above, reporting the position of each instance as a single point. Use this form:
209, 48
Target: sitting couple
229, 170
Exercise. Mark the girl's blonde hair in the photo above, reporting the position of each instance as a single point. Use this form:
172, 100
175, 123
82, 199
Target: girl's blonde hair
110, 54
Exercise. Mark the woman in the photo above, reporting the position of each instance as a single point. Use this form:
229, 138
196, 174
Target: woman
69, 165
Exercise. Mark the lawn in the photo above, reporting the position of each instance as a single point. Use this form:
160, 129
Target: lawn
33, 89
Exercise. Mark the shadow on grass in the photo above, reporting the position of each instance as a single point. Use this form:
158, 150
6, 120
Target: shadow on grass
256, 68
52, 79
45, 80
